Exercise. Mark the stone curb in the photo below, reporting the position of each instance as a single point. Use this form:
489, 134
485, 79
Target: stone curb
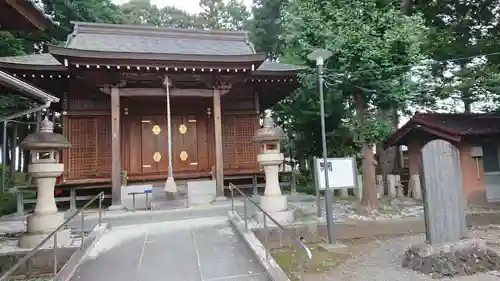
271, 267
71, 266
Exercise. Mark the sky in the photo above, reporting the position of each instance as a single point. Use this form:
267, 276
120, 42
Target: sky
190, 6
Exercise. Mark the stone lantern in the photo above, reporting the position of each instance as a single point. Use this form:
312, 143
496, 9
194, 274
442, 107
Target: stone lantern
270, 157
44, 168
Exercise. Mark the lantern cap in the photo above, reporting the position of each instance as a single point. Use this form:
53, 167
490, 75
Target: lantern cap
45, 138
269, 132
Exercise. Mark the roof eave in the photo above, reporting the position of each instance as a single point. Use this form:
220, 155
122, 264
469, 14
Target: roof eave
28, 10
63, 52
395, 138
23, 87
276, 72
41, 67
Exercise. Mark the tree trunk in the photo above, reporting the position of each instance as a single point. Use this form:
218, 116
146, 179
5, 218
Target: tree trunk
369, 200
467, 105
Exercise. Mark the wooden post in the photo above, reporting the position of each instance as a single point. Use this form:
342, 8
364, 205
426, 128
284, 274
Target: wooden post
116, 200
416, 191
72, 199
444, 202
12, 167
399, 187
254, 186
219, 163
391, 190
380, 185
344, 193
359, 189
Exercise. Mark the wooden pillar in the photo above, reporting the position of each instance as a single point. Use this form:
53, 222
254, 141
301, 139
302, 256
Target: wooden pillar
115, 150
219, 160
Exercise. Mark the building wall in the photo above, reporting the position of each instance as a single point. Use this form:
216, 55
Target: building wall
473, 187
87, 125
472, 175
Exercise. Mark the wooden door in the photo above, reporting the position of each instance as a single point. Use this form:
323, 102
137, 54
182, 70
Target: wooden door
184, 143
154, 144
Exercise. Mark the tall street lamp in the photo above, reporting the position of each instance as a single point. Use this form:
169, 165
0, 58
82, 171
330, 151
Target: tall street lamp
320, 55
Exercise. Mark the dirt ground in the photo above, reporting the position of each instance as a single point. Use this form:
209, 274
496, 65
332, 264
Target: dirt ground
379, 259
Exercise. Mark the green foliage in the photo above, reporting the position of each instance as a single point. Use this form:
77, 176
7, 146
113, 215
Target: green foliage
265, 27
8, 203
459, 31
100, 11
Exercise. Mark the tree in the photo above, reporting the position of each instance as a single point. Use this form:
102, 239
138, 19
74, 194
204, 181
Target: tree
368, 39
265, 27
460, 31
141, 12
100, 11
218, 15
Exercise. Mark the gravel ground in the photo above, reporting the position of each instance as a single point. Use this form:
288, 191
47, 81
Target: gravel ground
380, 260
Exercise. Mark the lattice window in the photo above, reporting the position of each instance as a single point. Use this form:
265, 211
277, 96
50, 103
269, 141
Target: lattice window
89, 104
228, 137
239, 150
82, 154
104, 152
245, 148
239, 104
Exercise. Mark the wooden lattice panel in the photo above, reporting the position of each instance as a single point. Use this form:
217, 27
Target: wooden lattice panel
239, 104
104, 156
89, 104
245, 148
239, 150
82, 154
228, 136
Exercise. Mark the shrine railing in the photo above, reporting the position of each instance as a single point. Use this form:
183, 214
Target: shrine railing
53, 235
296, 263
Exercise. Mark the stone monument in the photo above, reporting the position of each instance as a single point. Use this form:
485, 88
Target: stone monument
448, 251
270, 157
44, 167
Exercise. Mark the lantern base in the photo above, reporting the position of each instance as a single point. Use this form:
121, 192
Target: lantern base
282, 217
277, 207
41, 225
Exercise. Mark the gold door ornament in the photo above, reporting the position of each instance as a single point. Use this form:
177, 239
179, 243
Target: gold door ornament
157, 157
183, 155
156, 129
182, 129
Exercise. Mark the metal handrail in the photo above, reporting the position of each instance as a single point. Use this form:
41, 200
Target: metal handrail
31, 253
266, 214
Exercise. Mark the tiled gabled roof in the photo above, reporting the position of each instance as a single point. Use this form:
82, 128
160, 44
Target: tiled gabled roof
453, 124
148, 39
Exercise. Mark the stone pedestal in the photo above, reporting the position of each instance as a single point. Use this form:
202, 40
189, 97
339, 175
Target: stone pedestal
277, 207
45, 218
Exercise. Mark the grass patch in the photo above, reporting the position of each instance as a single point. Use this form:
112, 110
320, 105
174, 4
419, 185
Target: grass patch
294, 262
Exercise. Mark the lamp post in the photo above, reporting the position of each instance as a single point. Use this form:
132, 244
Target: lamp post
319, 56
170, 186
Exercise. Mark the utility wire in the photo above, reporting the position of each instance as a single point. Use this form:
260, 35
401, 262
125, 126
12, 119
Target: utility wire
414, 65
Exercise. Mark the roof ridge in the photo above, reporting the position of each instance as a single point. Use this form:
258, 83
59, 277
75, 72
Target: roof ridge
448, 113
154, 31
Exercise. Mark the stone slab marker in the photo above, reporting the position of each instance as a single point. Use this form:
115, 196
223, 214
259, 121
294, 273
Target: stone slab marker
444, 203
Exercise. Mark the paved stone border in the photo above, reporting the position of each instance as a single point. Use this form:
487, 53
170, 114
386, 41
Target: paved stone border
69, 269
271, 267
314, 232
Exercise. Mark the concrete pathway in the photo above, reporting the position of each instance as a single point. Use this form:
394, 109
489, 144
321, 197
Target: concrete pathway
200, 249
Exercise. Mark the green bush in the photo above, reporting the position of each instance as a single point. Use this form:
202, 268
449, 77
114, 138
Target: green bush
305, 184
8, 203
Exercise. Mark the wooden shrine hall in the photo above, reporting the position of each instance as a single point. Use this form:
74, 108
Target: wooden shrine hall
110, 80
